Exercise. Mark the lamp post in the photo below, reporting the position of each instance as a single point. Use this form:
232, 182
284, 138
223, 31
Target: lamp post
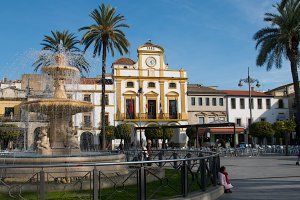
140, 92
249, 81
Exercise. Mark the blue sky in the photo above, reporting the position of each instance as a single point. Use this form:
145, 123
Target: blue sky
212, 39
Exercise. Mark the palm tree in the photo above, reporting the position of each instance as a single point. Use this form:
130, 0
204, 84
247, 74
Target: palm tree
105, 35
52, 45
280, 41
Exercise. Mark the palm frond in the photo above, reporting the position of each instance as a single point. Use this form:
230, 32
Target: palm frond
69, 41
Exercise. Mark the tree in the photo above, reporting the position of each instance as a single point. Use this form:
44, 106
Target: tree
106, 35
261, 130
191, 132
169, 132
8, 133
54, 43
124, 132
279, 128
154, 133
284, 128
280, 40
157, 132
110, 134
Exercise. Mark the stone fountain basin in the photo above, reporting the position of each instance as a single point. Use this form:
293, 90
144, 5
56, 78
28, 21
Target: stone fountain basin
24, 174
57, 106
57, 71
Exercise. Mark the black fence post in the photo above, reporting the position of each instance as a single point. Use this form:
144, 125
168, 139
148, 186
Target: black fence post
189, 162
160, 157
164, 138
175, 156
42, 184
214, 171
184, 179
95, 183
203, 174
141, 183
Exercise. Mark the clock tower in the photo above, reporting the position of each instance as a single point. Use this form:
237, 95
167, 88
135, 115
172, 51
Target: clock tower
151, 56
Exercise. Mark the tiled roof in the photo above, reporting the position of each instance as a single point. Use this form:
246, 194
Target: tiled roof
90, 81
279, 87
245, 93
124, 61
199, 89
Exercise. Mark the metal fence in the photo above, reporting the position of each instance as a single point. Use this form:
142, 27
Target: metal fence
265, 150
169, 174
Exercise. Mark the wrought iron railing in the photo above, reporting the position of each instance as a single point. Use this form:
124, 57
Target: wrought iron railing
168, 174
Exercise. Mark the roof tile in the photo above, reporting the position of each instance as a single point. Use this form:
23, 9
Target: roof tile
124, 61
245, 93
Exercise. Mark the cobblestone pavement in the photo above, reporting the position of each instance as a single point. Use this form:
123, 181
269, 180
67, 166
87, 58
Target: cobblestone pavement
263, 178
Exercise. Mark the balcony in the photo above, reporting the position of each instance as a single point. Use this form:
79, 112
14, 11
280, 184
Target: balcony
13, 118
145, 117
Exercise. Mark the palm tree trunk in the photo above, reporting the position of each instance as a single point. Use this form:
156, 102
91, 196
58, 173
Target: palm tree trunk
294, 70
286, 144
103, 142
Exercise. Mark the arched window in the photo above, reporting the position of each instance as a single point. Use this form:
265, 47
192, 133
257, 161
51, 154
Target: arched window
129, 84
172, 85
151, 85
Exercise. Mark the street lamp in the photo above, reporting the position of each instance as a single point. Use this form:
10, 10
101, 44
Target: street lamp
249, 81
140, 92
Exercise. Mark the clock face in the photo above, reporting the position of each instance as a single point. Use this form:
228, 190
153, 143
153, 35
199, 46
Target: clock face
150, 61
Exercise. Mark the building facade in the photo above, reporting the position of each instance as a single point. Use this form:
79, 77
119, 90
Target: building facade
264, 108
89, 123
149, 92
205, 104
285, 93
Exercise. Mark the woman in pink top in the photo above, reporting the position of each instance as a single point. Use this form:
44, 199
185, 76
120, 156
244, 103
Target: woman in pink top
224, 180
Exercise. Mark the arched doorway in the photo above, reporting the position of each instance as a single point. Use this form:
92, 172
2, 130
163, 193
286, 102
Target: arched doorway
86, 141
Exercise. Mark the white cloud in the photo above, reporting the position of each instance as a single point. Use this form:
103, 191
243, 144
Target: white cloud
254, 10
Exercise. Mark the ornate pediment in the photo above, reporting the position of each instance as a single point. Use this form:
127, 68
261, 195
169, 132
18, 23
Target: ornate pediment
152, 94
172, 94
130, 92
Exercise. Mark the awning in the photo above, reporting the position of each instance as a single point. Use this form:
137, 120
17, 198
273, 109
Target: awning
221, 130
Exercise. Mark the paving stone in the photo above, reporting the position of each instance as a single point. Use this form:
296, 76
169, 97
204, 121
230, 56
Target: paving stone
267, 178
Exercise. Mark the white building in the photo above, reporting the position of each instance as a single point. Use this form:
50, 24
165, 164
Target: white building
88, 124
149, 92
264, 107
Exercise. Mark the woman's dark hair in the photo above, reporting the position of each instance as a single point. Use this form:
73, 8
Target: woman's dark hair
222, 169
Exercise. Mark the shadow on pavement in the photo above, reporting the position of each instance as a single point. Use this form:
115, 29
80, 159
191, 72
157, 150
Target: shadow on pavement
265, 189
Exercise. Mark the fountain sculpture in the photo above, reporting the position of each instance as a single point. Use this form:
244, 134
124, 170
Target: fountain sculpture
59, 110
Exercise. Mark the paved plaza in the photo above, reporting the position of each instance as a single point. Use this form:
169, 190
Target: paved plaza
263, 177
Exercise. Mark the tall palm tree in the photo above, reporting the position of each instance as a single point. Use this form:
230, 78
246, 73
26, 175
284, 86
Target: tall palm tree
280, 41
105, 35
52, 44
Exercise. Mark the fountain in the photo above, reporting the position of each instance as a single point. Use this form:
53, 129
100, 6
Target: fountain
58, 143
59, 110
